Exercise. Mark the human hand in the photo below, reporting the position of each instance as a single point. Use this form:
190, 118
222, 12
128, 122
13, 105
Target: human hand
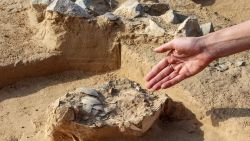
186, 57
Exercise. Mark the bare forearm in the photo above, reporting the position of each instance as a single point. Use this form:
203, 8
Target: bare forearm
228, 41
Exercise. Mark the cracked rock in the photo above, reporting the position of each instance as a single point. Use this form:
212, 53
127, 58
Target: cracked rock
67, 7
171, 17
189, 28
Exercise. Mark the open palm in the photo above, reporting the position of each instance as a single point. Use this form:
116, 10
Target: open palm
186, 57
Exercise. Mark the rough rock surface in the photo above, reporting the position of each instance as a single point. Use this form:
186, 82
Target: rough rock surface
83, 3
117, 108
154, 30
171, 17
67, 7
190, 28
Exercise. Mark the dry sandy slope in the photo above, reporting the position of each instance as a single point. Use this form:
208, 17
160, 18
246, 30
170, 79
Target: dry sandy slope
16, 41
22, 105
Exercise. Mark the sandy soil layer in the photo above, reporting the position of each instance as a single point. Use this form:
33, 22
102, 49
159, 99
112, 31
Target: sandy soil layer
211, 106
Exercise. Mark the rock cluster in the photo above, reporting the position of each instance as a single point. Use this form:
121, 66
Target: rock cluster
128, 11
117, 108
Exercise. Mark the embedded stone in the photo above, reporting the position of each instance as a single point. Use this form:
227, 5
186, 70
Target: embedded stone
189, 28
69, 8
171, 17
154, 30
129, 9
110, 16
126, 112
88, 91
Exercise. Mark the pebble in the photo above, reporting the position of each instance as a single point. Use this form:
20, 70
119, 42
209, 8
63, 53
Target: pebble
207, 28
221, 67
240, 63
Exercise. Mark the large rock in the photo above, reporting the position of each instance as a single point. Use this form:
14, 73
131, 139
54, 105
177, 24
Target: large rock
154, 30
117, 108
67, 7
189, 28
129, 9
84, 3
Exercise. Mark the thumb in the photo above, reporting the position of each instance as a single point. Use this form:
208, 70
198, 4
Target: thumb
163, 48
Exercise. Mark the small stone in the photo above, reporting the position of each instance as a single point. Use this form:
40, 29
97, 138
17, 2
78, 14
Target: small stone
189, 28
129, 9
171, 17
67, 7
137, 88
240, 63
154, 30
221, 67
110, 16
40, 4
155, 9
207, 28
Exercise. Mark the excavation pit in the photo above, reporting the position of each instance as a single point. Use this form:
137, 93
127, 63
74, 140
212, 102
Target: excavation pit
56, 54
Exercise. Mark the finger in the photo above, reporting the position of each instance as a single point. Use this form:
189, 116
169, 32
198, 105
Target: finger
163, 48
156, 69
173, 81
169, 77
164, 73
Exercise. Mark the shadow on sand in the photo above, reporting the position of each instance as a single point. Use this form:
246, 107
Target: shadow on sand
222, 114
177, 123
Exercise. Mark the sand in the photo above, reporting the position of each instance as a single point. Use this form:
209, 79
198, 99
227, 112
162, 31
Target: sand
212, 106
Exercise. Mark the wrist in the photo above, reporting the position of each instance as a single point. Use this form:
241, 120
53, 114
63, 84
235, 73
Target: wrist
207, 51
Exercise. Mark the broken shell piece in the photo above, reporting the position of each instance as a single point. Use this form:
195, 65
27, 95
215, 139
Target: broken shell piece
88, 100
98, 107
88, 91
222, 67
87, 108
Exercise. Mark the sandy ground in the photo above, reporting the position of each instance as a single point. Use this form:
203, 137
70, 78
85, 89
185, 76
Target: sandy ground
220, 101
